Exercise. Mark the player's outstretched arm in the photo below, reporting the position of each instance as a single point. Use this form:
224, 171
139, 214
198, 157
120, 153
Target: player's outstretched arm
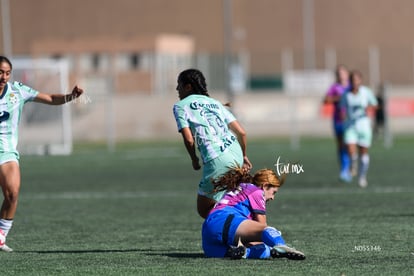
58, 99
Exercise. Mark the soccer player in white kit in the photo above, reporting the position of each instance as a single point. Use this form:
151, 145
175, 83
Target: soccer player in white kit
13, 96
206, 124
358, 129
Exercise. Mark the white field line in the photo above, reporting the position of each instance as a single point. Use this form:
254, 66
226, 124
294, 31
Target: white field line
148, 153
190, 193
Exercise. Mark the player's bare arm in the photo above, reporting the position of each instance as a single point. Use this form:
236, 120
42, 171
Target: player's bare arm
58, 99
260, 218
242, 138
190, 146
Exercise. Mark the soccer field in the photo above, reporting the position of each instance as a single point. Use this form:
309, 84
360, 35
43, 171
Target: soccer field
132, 212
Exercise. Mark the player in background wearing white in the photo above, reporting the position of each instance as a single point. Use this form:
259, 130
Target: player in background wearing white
358, 129
13, 96
333, 96
206, 124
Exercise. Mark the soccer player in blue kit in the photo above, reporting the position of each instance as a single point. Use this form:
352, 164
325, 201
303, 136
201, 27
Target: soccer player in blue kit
358, 128
333, 96
206, 124
13, 96
236, 227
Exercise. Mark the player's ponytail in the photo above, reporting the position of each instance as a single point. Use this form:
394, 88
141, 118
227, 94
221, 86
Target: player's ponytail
231, 179
196, 79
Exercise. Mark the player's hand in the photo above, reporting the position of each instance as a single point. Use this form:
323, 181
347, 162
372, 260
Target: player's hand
196, 164
76, 92
247, 165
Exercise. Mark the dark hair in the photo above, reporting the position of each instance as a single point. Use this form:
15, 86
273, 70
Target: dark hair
4, 59
196, 79
352, 76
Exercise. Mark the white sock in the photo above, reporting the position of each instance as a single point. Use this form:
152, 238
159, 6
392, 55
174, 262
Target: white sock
6, 225
363, 169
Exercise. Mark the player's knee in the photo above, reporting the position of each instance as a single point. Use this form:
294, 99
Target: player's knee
10, 197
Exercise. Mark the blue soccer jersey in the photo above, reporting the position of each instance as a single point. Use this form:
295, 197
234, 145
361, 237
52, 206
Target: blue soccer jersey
219, 228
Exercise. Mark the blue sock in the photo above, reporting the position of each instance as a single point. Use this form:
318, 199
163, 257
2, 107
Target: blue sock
258, 251
271, 236
345, 160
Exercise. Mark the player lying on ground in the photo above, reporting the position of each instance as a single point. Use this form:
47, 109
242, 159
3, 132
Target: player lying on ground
236, 227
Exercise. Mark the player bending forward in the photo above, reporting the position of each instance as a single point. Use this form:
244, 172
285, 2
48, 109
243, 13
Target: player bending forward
236, 227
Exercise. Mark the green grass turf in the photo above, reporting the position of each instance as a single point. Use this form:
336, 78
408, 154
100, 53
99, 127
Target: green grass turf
132, 212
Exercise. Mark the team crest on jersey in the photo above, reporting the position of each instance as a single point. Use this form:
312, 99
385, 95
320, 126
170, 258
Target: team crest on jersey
13, 98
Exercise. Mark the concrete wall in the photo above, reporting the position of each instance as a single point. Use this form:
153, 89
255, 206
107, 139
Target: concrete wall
139, 117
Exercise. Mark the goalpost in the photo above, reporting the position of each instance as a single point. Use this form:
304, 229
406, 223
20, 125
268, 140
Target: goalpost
44, 129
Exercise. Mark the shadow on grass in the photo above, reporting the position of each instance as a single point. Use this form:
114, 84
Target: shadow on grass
179, 255
92, 251
82, 251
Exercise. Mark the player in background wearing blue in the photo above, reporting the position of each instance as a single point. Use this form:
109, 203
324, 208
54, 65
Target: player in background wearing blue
358, 128
206, 124
333, 96
236, 227
13, 96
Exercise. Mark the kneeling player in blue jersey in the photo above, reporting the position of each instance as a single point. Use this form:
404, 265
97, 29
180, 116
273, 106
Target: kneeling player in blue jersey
236, 227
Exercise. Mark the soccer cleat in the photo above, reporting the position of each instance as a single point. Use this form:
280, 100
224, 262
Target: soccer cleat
345, 176
284, 251
236, 252
2, 238
5, 248
362, 182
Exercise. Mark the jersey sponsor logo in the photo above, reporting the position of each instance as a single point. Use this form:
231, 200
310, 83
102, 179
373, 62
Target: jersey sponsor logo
196, 106
4, 116
227, 143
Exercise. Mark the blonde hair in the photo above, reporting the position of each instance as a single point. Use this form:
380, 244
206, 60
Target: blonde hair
232, 179
265, 177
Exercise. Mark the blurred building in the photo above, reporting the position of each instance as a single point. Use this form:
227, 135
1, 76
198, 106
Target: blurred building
140, 41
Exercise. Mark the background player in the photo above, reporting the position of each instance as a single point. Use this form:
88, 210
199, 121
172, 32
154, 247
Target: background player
204, 122
333, 96
13, 96
358, 129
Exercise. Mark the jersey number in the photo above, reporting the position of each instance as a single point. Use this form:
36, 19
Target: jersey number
4, 116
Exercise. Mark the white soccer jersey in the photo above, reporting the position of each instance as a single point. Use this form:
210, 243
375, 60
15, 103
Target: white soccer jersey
11, 105
355, 105
208, 120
